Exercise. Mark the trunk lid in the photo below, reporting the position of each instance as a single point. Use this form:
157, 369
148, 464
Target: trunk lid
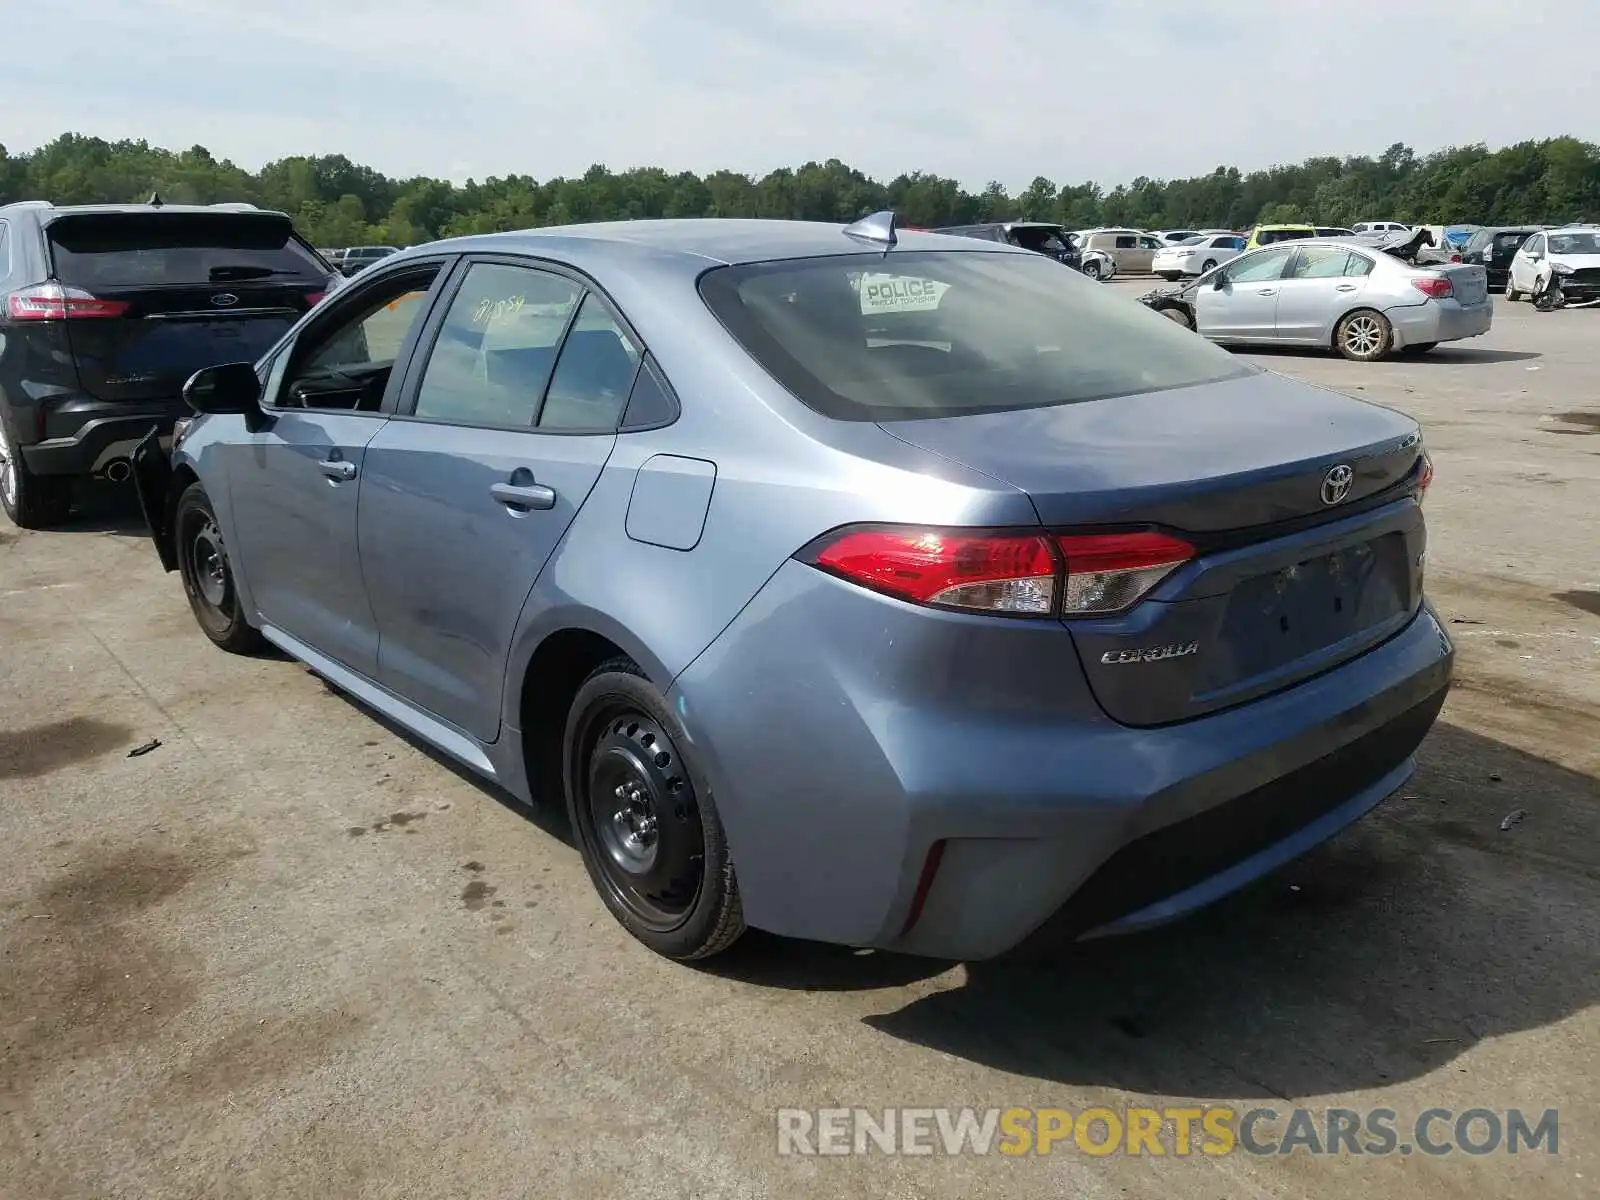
1468, 281
193, 288
1285, 584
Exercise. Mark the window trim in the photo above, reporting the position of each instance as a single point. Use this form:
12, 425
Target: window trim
341, 303
406, 403
1261, 252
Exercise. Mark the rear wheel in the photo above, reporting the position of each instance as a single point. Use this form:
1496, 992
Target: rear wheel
1092, 269
31, 501
1364, 336
1210, 264
644, 819
208, 576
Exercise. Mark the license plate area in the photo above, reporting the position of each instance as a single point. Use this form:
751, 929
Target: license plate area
1274, 619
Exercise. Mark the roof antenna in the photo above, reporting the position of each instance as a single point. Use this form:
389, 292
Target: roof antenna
878, 229
155, 200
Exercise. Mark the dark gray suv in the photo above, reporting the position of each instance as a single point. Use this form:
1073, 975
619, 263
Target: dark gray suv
105, 310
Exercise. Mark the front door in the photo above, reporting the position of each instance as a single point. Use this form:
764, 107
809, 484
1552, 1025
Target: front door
1322, 284
467, 492
294, 483
1525, 266
1245, 306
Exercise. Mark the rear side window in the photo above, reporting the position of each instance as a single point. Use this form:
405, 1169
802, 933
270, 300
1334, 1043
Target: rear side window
497, 346
134, 250
594, 374
935, 334
1126, 243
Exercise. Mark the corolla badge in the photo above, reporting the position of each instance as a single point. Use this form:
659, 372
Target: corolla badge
1150, 654
1336, 483
224, 299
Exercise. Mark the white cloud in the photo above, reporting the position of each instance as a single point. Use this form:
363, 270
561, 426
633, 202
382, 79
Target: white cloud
1104, 90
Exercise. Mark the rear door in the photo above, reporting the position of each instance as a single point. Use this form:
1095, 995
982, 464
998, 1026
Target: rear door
178, 291
507, 423
1321, 285
1245, 306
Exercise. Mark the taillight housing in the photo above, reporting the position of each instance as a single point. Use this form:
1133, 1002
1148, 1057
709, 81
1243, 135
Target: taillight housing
1003, 572
1424, 476
56, 302
1436, 287
315, 298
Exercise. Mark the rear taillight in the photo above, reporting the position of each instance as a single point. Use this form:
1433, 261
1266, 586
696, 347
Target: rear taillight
1107, 572
315, 298
1455, 258
53, 302
1424, 476
1436, 287
1070, 575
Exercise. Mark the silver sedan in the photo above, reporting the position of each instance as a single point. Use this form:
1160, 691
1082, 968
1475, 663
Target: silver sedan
1355, 299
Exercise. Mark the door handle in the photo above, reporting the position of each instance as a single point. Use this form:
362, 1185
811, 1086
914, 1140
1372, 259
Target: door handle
1345, 287
1267, 292
337, 469
521, 497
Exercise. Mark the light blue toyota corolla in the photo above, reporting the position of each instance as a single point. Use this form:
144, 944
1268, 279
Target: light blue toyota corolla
856, 584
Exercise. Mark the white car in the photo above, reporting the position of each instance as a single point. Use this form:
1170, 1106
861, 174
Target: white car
1573, 253
1196, 255
1173, 236
1380, 227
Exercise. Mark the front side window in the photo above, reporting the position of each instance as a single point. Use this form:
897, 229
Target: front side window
1259, 267
344, 363
936, 334
497, 346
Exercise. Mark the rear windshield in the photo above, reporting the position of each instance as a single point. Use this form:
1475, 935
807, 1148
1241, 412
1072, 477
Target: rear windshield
152, 249
946, 333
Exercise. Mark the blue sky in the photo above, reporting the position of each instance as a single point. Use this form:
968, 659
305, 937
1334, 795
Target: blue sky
1005, 89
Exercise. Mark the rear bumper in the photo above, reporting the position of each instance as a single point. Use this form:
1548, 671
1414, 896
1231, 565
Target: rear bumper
845, 736
1440, 321
107, 432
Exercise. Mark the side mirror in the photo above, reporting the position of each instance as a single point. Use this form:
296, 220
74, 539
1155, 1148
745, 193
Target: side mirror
231, 388
1219, 281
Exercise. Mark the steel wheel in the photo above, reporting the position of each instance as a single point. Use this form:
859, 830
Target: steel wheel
1363, 336
641, 817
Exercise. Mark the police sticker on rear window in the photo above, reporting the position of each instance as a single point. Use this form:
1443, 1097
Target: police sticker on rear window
900, 293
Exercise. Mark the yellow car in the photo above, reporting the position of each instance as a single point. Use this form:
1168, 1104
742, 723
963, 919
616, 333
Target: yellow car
1265, 235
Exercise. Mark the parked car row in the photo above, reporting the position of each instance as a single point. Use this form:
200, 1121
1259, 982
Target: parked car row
868, 586
352, 259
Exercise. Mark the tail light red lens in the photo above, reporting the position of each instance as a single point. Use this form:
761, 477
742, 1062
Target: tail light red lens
1435, 286
1072, 575
53, 302
972, 571
315, 298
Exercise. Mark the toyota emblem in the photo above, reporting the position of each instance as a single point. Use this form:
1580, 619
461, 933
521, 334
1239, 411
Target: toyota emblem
1336, 483
224, 299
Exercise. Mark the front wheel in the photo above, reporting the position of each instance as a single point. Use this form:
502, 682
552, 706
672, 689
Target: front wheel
1364, 336
1092, 270
1511, 291
644, 819
208, 576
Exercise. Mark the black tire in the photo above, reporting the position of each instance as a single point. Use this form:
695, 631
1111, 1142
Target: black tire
208, 576
1210, 265
1092, 270
1178, 313
1417, 349
31, 501
1511, 293
1363, 336
644, 820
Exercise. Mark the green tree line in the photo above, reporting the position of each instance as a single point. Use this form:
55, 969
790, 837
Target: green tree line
336, 202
